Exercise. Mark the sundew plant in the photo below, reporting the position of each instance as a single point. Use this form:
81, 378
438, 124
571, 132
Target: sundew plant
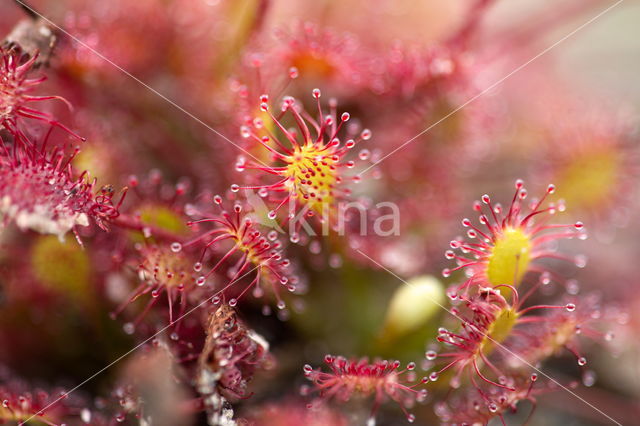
324, 213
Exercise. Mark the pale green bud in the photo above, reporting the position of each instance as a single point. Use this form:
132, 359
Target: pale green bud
413, 304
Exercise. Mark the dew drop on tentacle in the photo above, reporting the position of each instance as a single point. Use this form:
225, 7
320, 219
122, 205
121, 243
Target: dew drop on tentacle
455, 383
315, 247
335, 261
545, 278
589, 378
284, 315
257, 292
85, 415
572, 286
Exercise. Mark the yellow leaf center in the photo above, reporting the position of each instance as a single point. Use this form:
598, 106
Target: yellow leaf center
509, 258
312, 173
499, 330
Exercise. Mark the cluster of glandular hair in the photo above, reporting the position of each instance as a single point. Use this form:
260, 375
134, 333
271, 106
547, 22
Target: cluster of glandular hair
163, 272
497, 337
40, 192
220, 258
479, 407
384, 380
17, 102
309, 161
543, 336
500, 250
252, 259
22, 404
